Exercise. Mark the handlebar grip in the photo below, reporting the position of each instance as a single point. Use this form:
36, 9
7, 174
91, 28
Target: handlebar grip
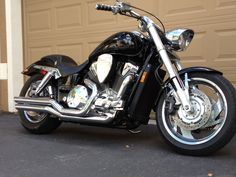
103, 7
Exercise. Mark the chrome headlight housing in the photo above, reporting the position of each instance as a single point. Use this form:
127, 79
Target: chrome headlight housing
180, 38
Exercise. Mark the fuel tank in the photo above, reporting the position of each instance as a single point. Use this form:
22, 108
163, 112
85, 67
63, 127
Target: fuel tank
129, 45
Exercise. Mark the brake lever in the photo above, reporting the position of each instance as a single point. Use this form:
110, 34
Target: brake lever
115, 9
126, 7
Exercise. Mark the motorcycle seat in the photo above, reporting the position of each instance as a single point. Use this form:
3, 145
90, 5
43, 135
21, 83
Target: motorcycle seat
64, 64
68, 70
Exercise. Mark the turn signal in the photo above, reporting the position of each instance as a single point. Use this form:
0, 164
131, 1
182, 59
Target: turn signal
143, 77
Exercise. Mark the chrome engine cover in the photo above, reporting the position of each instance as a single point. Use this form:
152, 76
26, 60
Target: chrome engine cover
101, 68
77, 97
110, 99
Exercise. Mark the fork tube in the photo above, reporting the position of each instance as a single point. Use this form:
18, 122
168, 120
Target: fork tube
182, 93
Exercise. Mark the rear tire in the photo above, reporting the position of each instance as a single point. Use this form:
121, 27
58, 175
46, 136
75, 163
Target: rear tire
216, 142
46, 124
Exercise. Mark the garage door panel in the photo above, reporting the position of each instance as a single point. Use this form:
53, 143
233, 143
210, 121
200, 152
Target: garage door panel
37, 5
69, 16
183, 9
65, 3
225, 4
96, 17
226, 38
224, 7
39, 21
225, 48
150, 5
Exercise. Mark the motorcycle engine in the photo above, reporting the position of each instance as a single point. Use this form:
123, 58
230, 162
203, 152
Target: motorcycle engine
110, 92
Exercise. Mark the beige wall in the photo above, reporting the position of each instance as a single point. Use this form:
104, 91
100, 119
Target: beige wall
3, 57
74, 28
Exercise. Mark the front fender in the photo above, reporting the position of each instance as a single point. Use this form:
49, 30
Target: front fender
194, 70
199, 69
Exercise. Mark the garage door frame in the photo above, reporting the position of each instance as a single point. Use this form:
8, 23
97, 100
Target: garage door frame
14, 49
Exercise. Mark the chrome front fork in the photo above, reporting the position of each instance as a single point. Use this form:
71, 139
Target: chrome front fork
180, 89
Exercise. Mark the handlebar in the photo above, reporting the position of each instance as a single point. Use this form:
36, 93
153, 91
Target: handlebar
119, 7
104, 7
126, 9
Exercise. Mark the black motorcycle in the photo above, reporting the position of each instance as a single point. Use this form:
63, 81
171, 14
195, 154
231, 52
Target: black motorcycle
124, 79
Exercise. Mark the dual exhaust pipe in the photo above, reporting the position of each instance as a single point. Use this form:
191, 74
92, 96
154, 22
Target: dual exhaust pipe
53, 107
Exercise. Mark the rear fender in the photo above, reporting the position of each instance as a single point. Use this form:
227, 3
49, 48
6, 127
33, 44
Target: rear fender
49, 63
39, 69
30, 70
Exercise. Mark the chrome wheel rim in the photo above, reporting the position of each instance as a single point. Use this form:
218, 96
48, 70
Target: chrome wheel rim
203, 134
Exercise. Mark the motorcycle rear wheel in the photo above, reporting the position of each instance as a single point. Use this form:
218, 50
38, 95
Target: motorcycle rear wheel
212, 136
34, 122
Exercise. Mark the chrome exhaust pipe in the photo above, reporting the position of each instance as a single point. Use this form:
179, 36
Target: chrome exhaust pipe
32, 101
50, 110
52, 107
50, 102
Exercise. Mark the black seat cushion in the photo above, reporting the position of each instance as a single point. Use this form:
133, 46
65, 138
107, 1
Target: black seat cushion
64, 64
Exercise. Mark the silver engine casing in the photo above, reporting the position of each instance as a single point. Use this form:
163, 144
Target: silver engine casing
107, 99
77, 97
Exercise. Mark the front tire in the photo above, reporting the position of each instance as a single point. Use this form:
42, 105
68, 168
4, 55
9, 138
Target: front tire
206, 139
37, 123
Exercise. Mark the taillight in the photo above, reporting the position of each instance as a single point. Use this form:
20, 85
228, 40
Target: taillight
43, 72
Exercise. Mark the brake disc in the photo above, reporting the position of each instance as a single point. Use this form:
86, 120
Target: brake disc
200, 114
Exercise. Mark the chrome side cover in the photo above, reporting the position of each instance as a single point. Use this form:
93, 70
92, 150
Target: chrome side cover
78, 97
101, 68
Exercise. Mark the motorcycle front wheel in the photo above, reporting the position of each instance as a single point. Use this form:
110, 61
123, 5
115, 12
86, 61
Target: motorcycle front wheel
211, 124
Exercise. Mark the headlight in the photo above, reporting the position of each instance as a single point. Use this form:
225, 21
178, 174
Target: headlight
180, 38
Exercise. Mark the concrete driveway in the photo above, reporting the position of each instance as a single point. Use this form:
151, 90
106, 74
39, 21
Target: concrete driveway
81, 151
